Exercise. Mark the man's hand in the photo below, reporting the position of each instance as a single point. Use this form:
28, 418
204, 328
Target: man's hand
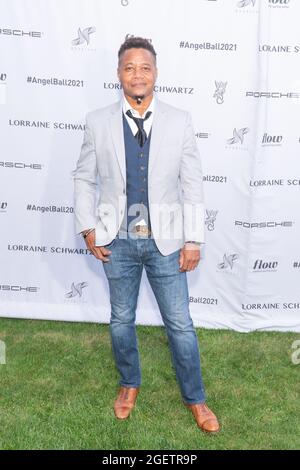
100, 252
189, 257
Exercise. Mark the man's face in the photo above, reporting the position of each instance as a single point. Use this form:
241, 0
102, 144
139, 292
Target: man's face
137, 72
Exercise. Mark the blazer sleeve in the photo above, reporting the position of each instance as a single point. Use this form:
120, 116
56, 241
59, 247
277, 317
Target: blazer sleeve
191, 179
85, 182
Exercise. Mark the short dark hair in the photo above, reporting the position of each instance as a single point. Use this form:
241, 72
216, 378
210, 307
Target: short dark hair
136, 43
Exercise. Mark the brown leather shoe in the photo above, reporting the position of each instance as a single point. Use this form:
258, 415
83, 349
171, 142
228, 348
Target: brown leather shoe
125, 401
205, 418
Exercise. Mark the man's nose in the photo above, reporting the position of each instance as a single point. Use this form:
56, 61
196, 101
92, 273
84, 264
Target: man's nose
137, 72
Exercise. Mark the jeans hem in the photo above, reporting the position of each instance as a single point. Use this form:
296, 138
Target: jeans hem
129, 385
193, 402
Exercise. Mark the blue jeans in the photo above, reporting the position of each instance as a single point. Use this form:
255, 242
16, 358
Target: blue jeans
169, 285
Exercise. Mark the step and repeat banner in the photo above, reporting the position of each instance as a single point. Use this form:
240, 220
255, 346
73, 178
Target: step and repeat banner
235, 65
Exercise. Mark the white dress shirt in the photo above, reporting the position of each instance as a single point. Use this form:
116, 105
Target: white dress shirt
132, 124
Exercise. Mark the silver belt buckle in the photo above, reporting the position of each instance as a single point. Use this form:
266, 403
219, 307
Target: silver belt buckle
142, 230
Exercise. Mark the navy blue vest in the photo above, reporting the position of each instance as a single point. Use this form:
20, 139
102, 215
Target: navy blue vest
136, 177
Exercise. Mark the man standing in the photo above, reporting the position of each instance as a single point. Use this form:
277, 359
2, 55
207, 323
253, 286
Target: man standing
142, 155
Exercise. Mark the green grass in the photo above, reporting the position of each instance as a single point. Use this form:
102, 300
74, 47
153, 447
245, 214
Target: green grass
59, 383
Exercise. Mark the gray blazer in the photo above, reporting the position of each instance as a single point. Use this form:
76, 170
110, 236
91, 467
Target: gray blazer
175, 185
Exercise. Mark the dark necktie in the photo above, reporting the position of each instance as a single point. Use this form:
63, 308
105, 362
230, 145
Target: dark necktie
141, 135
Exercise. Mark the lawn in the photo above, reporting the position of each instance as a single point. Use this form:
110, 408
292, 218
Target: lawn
59, 383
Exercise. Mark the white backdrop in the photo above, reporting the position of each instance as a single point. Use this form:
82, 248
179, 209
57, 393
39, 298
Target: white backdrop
235, 66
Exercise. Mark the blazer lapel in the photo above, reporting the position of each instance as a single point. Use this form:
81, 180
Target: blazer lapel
116, 125
157, 133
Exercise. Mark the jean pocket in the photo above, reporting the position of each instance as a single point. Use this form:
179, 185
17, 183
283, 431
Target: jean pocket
111, 244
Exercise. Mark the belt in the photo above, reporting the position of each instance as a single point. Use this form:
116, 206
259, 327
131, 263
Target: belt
142, 230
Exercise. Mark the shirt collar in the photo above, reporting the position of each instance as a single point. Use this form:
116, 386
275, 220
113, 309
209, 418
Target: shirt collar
126, 107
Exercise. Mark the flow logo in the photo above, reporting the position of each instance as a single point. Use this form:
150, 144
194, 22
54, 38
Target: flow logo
279, 3
3, 85
3, 206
